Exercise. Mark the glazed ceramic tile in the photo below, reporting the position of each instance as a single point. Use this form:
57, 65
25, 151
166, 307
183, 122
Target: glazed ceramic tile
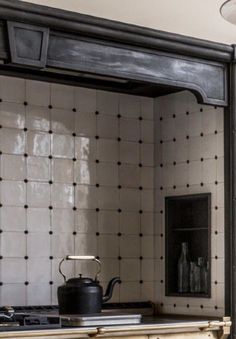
108, 103
129, 152
195, 124
108, 246
130, 270
86, 245
147, 154
85, 172
38, 194
147, 131
86, 221
147, 246
85, 148
38, 219
62, 245
63, 170
147, 177
13, 193
107, 126
85, 100
85, 124
130, 291
147, 223
38, 168
38, 294
147, 107
13, 218
130, 246
37, 93
129, 175
13, 295
12, 141
13, 89
208, 146
209, 121
130, 105
181, 150
62, 146
12, 115
13, 167
37, 118
38, 143
130, 222
38, 245
130, 199
108, 222
62, 220
107, 174
130, 129
14, 270
107, 150
8, 245
85, 197
62, 96
62, 121
108, 198
147, 291
181, 126
147, 269
62, 195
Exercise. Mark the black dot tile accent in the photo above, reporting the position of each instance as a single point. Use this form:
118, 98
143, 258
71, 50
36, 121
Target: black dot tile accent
140, 211
73, 134
0, 152
119, 187
216, 282
97, 185
140, 234
1, 231
161, 141
202, 159
174, 139
174, 305
119, 234
216, 207
0, 178
74, 109
119, 258
1, 257
25, 103
96, 112
140, 165
201, 109
50, 157
140, 258
140, 141
216, 132
187, 305
26, 231
187, 112
74, 184
216, 257
118, 163
140, 188
50, 106
0, 100
161, 211
26, 206
216, 232
201, 134
161, 281
174, 187
202, 184
50, 131
174, 163
74, 233
119, 139
1, 283
50, 232
119, 210
161, 304
216, 157
140, 118
97, 161
97, 234
97, 137
187, 161
161, 188
74, 159
26, 180
161, 257
25, 129
74, 208
25, 155
50, 282
201, 306
26, 257
97, 209
216, 307
50, 182
0, 204
26, 283
161, 165
187, 185
141, 281
162, 235
50, 207
216, 182
51, 257
118, 116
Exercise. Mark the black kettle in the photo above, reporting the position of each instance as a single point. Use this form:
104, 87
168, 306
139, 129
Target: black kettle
83, 295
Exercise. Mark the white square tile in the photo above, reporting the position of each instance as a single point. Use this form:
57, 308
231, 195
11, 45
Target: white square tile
107, 150
147, 200
108, 246
209, 171
181, 126
13, 270
130, 129
129, 222
13, 167
38, 194
12, 115
130, 199
147, 131
107, 103
38, 143
220, 144
63, 146
168, 177
62, 220
13, 218
86, 197
129, 175
39, 294
62, 195
12, 141
13, 193
147, 177
86, 221
209, 146
108, 222
13, 294
195, 149
147, 269
107, 174
181, 150
37, 93
37, 118
147, 291
130, 291
209, 121
85, 124
130, 246
85, 99
85, 172
62, 96
220, 192
147, 246
8, 244
168, 152
63, 170
147, 108
194, 172
38, 245
62, 120
86, 244
147, 154
167, 129
147, 223
130, 270
62, 245
108, 198
85, 148
130, 106
220, 169
13, 89
38, 168
181, 174
107, 126
38, 219
129, 152
195, 124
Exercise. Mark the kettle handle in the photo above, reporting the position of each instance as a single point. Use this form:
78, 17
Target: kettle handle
80, 257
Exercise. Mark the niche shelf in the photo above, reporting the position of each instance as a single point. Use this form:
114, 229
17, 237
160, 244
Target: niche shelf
187, 219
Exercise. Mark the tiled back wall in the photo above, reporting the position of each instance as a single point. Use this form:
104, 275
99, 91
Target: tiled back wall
189, 159
76, 178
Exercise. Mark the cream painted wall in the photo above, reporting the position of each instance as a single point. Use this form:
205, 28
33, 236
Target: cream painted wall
199, 19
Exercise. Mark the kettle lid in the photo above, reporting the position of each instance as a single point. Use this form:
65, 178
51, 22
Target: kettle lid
81, 281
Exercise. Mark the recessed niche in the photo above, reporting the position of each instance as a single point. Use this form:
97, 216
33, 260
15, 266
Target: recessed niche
188, 225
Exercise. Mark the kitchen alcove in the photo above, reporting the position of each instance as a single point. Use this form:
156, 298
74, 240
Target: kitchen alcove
90, 52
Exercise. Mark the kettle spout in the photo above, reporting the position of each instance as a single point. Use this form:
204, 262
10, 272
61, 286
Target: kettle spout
109, 289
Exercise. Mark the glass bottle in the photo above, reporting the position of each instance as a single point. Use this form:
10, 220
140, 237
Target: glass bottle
183, 269
192, 277
201, 264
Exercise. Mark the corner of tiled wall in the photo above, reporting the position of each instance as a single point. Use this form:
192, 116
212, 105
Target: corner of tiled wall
76, 178
189, 158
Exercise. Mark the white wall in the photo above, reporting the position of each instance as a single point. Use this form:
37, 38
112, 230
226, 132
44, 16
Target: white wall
200, 19
193, 163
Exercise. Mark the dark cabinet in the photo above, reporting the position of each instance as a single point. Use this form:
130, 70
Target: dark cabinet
188, 221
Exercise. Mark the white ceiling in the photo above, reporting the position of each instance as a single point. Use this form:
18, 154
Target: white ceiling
197, 18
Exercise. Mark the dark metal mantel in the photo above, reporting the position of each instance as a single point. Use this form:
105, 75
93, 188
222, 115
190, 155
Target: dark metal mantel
108, 54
